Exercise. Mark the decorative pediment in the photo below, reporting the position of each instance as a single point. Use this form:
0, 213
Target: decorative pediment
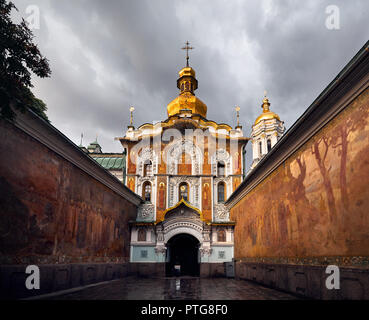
183, 210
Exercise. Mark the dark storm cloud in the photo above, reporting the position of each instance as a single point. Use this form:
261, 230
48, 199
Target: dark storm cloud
108, 55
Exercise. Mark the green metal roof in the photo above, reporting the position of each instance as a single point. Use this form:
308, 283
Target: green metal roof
110, 163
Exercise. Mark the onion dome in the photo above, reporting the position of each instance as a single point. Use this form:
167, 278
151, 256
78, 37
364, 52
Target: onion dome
187, 84
267, 114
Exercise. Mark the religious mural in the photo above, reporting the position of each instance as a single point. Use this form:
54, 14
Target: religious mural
316, 203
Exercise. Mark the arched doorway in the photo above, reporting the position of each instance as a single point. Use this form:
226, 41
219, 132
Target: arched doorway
183, 251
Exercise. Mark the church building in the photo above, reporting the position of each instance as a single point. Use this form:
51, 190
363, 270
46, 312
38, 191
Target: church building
184, 168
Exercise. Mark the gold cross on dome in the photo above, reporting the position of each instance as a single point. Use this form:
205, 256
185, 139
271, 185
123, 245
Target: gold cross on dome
187, 47
238, 115
131, 109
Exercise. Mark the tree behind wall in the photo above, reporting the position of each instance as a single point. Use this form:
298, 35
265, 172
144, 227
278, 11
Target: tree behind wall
19, 56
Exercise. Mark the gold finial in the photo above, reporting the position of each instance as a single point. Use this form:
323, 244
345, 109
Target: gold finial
266, 114
187, 47
131, 109
266, 103
238, 115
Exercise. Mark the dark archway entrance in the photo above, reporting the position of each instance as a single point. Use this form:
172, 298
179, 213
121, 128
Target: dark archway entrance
183, 251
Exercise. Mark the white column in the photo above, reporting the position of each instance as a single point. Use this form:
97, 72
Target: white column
255, 151
265, 146
134, 235
228, 235
274, 139
148, 235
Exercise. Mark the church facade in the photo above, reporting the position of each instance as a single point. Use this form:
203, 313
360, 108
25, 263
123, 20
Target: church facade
184, 168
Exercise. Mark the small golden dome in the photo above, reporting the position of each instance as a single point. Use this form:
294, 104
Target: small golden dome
187, 84
267, 114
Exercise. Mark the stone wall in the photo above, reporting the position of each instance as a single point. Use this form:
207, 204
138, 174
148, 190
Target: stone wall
305, 206
57, 205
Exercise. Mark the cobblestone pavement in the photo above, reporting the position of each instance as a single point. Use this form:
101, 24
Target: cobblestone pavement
133, 288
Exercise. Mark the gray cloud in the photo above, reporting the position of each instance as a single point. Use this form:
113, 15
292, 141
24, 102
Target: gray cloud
107, 56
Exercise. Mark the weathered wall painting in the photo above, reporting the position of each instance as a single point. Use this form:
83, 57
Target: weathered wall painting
317, 202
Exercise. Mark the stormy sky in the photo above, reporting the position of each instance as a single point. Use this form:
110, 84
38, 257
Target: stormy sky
108, 55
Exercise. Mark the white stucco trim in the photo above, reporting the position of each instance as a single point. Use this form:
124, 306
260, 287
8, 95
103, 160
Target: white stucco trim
193, 232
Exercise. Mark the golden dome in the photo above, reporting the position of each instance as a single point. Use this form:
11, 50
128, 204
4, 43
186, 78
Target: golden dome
187, 101
267, 114
187, 84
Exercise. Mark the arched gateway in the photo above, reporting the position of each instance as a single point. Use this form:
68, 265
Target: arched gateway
183, 238
182, 256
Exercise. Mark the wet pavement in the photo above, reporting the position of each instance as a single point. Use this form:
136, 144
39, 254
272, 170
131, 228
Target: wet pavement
133, 288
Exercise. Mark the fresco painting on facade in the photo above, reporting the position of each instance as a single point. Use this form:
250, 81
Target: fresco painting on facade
52, 210
161, 196
321, 187
131, 183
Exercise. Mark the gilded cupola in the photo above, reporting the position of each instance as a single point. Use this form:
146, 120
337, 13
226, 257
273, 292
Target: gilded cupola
187, 84
267, 114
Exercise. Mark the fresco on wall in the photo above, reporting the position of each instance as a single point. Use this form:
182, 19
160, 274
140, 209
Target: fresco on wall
316, 203
53, 212
131, 184
206, 198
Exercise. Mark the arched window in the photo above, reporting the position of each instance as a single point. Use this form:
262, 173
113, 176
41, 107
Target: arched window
260, 149
269, 144
182, 86
221, 193
147, 168
221, 169
141, 236
183, 191
146, 191
221, 236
